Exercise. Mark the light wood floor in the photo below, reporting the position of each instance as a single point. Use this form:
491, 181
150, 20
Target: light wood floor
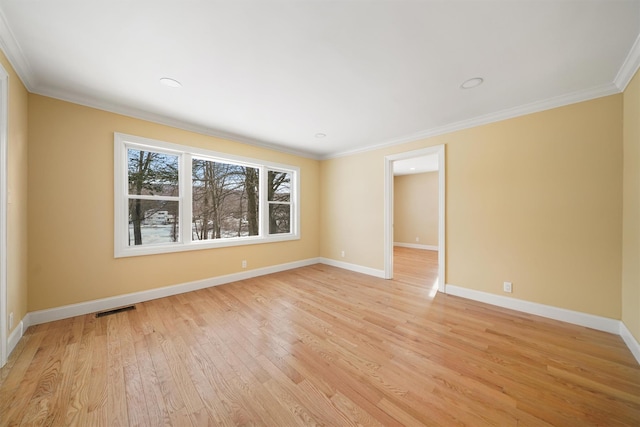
320, 346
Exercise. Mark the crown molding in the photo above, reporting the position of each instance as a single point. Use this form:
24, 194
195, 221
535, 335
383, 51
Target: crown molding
14, 54
168, 121
534, 107
509, 113
629, 67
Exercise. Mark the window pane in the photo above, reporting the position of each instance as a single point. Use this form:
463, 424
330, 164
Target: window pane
225, 200
279, 218
152, 173
153, 222
279, 186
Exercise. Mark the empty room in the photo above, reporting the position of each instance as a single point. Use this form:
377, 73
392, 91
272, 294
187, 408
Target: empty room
307, 212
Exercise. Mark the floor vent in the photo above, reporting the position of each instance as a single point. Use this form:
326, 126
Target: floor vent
115, 310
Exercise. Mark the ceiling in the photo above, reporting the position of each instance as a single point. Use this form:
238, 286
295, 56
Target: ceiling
363, 73
421, 164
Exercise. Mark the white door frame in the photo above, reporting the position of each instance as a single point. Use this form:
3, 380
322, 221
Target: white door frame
4, 117
388, 209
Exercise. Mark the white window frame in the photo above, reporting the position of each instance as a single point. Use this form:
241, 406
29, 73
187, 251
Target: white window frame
185, 154
273, 202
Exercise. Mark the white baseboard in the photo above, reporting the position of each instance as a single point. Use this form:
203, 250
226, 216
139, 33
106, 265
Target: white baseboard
416, 246
575, 317
599, 323
79, 309
14, 337
57, 313
353, 267
596, 322
630, 340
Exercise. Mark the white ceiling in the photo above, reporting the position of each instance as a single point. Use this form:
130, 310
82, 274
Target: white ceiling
365, 73
422, 164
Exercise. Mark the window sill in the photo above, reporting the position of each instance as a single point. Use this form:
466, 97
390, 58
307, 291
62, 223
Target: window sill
132, 251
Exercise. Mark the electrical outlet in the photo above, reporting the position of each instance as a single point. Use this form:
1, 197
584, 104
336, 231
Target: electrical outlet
507, 287
10, 320
244, 263
342, 253
417, 239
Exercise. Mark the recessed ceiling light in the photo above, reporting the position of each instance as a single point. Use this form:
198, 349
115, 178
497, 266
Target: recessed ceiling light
170, 82
320, 135
412, 169
471, 83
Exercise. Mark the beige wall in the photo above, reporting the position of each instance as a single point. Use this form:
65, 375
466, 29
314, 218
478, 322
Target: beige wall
415, 209
17, 186
71, 210
351, 203
536, 200
631, 210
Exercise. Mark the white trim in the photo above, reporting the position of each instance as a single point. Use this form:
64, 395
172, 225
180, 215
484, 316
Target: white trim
575, 317
137, 113
534, 107
57, 313
416, 246
186, 192
14, 54
630, 341
509, 113
15, 336
442, 217
629, 66
388, 208
388, 218
4, 201
353, 267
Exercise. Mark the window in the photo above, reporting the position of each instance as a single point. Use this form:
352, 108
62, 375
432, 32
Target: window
279, 190
171, 198
224, 200
153, 197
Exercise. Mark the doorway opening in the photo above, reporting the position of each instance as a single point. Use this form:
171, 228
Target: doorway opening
427, 159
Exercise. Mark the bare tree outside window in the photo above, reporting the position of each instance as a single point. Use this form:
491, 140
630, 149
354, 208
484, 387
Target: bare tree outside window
152, 188
251, 183
225, 200
279, 199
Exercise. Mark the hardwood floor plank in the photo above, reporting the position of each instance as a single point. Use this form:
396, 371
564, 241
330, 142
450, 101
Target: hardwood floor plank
304, 411
324, 409
200, 370
155, 342
60, 398
320, 346
358, 415
95, 412
402, 415
40, 385
15, 371
241, 393
79, 393
116, 389
156, 406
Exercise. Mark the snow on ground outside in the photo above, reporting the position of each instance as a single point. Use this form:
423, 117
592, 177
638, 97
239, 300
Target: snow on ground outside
158, 234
